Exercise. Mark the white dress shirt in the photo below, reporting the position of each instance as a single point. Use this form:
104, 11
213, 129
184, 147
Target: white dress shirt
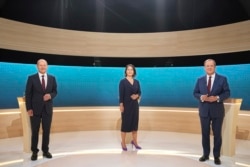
45, 78
212, 80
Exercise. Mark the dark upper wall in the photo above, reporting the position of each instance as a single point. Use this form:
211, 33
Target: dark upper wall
31, 58
126, 16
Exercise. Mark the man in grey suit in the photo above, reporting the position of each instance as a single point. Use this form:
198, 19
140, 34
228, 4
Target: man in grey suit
211, 90
41, 88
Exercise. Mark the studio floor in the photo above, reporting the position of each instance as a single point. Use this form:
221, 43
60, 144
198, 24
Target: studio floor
102, 148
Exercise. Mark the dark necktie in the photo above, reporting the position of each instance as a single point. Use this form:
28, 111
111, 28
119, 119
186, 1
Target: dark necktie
43, 82
209, 85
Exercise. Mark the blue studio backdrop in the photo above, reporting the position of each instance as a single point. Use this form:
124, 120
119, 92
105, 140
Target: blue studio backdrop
98, 86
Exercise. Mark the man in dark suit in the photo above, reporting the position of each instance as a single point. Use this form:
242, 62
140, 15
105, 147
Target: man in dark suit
211, 90
41, 88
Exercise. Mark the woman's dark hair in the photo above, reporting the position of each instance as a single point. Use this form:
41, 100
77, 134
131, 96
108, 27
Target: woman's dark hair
130, 65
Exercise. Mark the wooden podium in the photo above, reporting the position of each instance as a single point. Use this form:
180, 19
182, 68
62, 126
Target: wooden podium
25, 124
232, 107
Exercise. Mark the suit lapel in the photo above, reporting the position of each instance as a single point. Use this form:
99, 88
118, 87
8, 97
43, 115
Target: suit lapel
215, 82
37, 79
48, 81
204, 80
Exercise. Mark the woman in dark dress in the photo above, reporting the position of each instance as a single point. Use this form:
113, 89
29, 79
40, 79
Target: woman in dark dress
129, 95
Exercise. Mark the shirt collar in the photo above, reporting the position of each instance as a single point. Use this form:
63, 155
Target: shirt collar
40, 75
212, 76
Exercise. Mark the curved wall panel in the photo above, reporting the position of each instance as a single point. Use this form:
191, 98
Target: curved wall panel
222, 39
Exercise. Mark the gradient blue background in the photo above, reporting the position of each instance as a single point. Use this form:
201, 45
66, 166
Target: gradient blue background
98, 86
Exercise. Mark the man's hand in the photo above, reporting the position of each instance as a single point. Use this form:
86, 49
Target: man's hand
46, 97
121, 107
30, 113
204, 98
212, 98
208, 98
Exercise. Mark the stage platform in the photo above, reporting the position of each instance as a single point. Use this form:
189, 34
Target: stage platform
102, 148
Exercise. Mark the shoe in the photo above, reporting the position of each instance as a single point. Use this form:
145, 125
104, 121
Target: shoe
47, 155
217, 161
203, 158
124, 148
136, 146
33, 156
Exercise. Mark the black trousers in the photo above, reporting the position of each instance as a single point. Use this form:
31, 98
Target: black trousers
36, 120
216, 123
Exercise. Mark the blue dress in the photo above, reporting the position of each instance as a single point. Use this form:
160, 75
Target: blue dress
130, 116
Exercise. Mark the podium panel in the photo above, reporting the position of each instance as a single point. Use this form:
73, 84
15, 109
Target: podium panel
25, 124
232, 107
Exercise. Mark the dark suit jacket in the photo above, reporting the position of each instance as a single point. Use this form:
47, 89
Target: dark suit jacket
34, 94
220, 88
